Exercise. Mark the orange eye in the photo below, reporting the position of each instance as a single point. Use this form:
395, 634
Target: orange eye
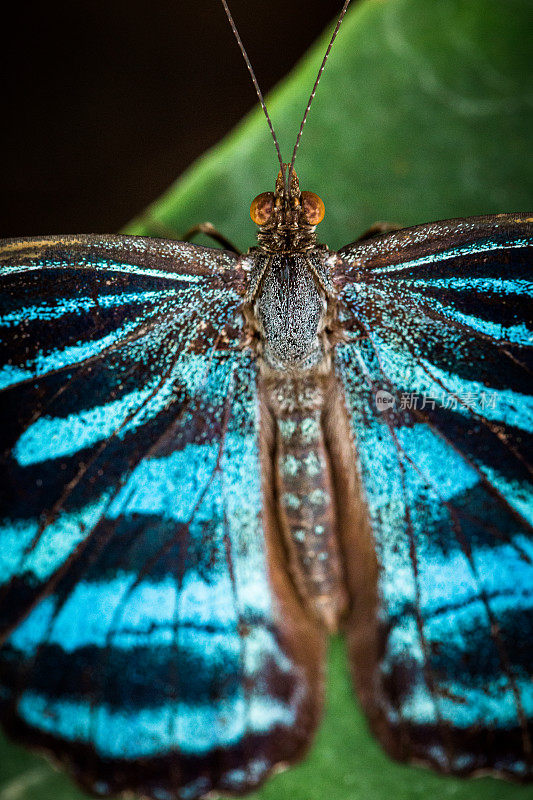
262, 207
313, 207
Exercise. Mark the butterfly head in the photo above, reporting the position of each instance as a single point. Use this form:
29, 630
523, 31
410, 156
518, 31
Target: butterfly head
287, 217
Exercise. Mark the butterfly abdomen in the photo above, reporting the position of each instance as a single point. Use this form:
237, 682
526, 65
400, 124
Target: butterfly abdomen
304, 496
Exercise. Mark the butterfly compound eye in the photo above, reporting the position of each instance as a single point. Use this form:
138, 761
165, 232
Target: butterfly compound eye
313, 207
262, 207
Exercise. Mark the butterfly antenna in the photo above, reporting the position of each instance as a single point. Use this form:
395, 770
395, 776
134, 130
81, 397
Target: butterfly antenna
256, 85
320, 71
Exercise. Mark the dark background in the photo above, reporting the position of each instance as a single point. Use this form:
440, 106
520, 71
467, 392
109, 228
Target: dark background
106, 103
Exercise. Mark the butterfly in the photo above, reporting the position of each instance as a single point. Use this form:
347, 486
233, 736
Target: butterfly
210, 460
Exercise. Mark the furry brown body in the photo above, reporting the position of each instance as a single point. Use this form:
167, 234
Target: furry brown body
291, 311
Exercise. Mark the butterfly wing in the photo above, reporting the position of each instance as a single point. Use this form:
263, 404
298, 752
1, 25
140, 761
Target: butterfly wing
437, 375
148, 640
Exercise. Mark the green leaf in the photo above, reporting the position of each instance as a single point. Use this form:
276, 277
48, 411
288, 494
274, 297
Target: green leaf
424, 112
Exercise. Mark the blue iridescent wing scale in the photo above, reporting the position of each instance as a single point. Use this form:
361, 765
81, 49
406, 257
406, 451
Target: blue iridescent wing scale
438, 322
148, 641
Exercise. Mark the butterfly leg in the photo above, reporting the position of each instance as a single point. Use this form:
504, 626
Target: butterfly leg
209, 230
157, 228
377, 229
